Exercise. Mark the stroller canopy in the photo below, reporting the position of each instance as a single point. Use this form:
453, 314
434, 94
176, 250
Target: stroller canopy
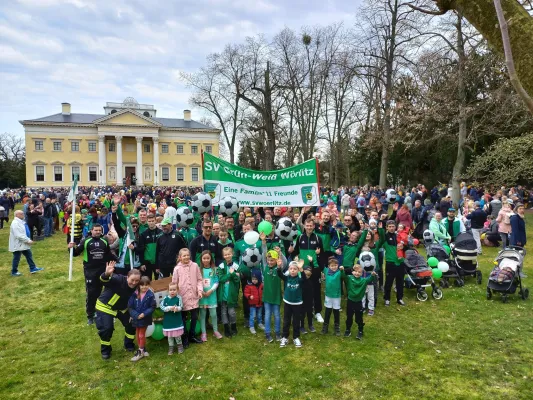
465, 241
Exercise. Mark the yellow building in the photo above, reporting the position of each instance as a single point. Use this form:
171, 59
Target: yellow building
126, 142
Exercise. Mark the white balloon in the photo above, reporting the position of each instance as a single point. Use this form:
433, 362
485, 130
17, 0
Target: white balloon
443, 266
149, 330
251, 237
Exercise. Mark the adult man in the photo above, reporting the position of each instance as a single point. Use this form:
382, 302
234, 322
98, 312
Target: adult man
454, 226
19, 243
232, 232
143, 222
48, 218
168, 247
206, 241
478, 217
96, 254
147, 247
4, 214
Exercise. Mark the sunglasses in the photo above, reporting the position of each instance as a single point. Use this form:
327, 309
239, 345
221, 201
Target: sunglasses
208, 227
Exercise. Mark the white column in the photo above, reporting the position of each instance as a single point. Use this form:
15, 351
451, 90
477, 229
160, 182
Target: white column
139, 170
119, 160
102, 171
156, 161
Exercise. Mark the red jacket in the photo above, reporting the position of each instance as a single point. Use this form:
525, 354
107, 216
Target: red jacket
257, 292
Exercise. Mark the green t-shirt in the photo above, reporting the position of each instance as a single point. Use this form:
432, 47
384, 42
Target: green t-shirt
333, 283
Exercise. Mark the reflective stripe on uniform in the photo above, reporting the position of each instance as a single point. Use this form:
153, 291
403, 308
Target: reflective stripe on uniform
105, 280
132, 337
105, 308
105, 343
113, 299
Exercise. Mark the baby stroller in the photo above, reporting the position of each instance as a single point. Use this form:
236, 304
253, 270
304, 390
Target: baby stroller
434, 249
505, 277
419, 276
464, 251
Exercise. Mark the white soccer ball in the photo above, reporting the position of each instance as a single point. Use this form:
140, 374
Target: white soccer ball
286, 229
367, 261
184, 216
201, 202
228, 206
428, 236
251, 257
391, 195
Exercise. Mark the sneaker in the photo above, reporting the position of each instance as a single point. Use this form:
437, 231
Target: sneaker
138, 355
269, 338
347, 333
252, 330
297, 342
16, 274
401, 302
387, 303
312, 329
278, 337
180, 348
261, 326
35, 270
90, 321
203, 337
325, 329
359, 335
319, 318
217, 335
146, 354
302, 331
370, 313
170, 350
106, 356
283, 342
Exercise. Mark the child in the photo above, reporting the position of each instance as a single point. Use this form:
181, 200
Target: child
228, 291
223, 241
209, 296
292, 301
332, 276
189, 279
254, 294
356, 287
272, 290
394, 264
141, 305
172, 320
307, 297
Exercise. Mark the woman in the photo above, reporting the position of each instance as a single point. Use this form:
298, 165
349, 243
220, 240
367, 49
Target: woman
518, 227
404, 216
504, 223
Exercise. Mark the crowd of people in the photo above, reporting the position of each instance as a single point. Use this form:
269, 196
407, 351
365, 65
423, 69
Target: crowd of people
131, 236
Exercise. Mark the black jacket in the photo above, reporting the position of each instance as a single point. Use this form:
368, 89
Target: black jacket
95, 252
478, 218
116, 294
200, 243
168, 247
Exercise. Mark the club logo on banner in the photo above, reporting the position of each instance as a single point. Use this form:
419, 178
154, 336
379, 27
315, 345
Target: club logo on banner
294, 186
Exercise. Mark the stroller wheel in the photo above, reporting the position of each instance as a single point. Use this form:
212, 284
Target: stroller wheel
505, 298
444, 283
422, 295
525, 294
459, 282
489, 294
437, 294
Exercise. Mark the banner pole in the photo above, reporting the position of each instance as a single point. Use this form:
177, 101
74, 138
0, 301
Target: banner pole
72, 239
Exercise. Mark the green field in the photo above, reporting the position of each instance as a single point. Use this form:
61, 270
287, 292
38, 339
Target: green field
461, 347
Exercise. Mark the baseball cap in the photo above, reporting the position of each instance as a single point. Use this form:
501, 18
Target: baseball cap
273, 254
166, 221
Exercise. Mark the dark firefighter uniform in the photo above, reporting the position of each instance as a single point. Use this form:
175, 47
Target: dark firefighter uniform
96, 254
113, 303
147, 249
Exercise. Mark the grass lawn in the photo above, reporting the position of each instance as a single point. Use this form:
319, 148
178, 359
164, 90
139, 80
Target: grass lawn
461, 347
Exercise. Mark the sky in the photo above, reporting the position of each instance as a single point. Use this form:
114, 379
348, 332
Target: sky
89, 52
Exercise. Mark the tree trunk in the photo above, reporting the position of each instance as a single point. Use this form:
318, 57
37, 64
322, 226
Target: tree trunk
269, 123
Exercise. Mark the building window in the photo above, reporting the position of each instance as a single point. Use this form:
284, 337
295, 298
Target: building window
208, 148
179, 149
112, 147
39, 145
164, 148
57, 146
165, 174
180, 174
194, 174
58, 173
147, 148
39, 173
75, 146
93, 174
76, 171
194, 148
92, 146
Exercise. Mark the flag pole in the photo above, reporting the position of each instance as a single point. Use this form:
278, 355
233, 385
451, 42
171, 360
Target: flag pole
72, 228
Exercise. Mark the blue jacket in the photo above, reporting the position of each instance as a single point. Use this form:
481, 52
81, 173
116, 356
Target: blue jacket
478, 218
518, 231
145, 306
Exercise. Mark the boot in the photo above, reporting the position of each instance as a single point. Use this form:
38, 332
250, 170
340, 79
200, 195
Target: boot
337, 330
324, 329
170, 350
227, 330
233, 329
180, 348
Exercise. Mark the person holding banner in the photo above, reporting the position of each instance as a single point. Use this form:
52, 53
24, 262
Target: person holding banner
96, 254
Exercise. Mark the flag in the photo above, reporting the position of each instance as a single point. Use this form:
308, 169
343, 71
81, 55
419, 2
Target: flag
130, 236
74, 190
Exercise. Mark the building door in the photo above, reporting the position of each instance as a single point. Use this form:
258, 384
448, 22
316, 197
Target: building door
130, 174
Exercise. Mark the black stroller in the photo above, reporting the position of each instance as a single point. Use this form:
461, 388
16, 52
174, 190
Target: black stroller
464, 251
420, 276
505, 277
438, 251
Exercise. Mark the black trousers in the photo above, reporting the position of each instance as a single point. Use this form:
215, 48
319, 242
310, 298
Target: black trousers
150, 268
245, 305
105, 326
93, 288
307, 306
394, 272
354, 307
317, 291
336, 316
34, 224
291, 312
166, 270
193, 315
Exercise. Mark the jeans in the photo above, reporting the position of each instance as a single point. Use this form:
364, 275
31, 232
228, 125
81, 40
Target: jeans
48, 226
505, 240
269, 310
253, 312
16, 260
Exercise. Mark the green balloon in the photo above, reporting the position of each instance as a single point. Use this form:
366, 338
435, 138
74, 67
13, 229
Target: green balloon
433, 262
158, 332
437, 273
265, 227
196, 328
447, 248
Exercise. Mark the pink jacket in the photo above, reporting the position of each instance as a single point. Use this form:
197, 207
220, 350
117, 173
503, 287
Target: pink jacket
504, 221
189, 280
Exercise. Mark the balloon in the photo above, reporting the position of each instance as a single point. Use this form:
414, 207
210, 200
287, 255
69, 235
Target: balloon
196, 328
443, 266
251, 237
265, 227
433, 262
416, 242
447, 248
483, 236
157, 334
437, 273
149, 330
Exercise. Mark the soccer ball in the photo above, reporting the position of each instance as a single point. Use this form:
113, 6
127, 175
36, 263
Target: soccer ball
184, 216
251, 257
367, 261
201, 202
228, 206
428, 236
286, 229
391, 195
